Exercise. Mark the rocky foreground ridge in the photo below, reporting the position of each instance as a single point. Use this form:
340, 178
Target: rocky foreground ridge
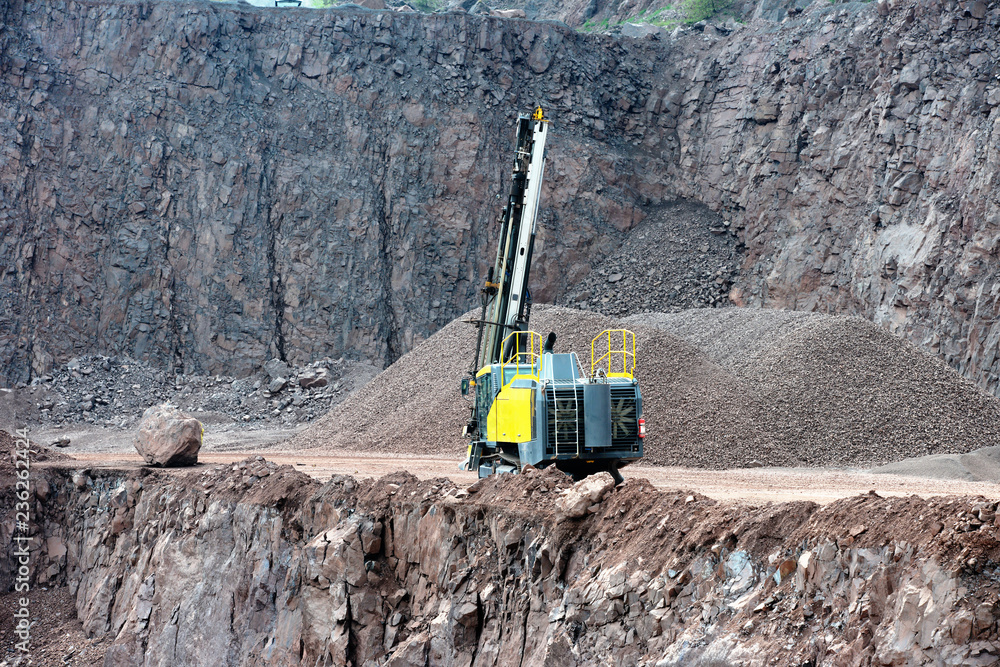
207, 187
525, 569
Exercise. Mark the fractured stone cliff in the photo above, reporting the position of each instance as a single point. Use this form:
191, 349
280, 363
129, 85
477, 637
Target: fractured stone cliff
516, 570
208, 186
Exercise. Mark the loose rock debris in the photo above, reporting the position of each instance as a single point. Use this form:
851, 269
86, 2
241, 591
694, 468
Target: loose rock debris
114, 391
682, 256
722, 388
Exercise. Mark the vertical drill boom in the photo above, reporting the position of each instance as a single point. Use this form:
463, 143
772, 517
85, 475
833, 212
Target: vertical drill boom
506, 299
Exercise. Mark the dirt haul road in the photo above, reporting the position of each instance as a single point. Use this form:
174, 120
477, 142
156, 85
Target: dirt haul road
754, 485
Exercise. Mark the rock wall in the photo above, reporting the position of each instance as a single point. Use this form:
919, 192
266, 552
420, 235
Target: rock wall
207, 186
251, 564
857, 147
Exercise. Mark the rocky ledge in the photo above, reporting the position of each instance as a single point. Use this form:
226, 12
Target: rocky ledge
526, 569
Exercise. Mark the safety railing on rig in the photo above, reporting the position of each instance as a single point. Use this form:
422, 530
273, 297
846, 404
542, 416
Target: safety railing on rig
522, 356
619, 359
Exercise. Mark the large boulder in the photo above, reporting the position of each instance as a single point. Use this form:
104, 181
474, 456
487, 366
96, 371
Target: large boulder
168, 437
575, 501
509, 13
639, 31
276, 368
314, 378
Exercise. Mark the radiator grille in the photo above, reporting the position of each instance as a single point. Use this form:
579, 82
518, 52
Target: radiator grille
624, 420
565, 421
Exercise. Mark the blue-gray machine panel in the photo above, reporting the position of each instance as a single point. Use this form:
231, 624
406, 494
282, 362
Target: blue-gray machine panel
597, 414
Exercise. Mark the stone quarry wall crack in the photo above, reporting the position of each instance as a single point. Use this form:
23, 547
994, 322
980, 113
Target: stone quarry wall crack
352, 642
273, 225
524, 635
176, 362
25, 275
381, 212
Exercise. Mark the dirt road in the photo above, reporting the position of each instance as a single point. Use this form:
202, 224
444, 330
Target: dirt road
755, 485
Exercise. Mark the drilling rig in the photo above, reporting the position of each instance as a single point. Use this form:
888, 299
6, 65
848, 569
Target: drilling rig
531, 405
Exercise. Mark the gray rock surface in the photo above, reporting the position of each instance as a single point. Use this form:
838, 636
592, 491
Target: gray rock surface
276, 368
214, 221
642, 30
168, 437
252, 564
207, 187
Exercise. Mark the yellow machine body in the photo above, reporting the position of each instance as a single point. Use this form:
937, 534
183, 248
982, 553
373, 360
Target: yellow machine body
537, 407
532, 405
512, 415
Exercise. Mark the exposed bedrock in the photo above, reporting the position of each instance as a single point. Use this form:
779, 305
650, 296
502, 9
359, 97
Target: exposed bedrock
611, 14
208, 186
253, 564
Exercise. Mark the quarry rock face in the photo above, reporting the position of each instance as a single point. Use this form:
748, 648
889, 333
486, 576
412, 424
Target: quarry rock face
209, 187
168, 437
402, 572
273, 184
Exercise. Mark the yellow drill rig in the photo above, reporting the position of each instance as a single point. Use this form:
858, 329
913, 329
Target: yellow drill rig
530, 404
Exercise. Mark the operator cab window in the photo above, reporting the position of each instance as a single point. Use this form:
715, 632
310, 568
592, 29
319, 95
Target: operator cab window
484, 387
510, 371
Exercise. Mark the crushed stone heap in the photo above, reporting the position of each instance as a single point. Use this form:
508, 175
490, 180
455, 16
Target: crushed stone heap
682, 256
415, 406
721, 388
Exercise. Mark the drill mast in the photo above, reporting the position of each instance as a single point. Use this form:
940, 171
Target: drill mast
506, 299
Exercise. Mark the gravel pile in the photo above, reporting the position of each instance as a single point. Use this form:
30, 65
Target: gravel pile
731, 337
722, 388
114, 391
413, 407
416, 405
820, 390
982, 465
681, 256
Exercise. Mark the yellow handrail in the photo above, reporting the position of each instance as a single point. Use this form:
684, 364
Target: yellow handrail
527, 356
627, 365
